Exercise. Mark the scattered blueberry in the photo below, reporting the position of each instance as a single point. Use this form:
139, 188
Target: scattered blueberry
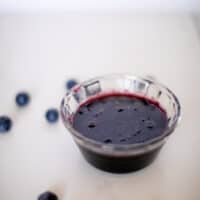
22, 99
48, 196
71, 83
5, 124
52, 115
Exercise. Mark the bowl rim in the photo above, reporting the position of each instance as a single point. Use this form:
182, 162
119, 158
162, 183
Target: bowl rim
121, 149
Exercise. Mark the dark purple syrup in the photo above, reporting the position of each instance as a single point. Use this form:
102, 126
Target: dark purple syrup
120, 119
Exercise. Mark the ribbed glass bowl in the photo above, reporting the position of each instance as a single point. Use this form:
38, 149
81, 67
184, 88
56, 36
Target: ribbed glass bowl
120, 157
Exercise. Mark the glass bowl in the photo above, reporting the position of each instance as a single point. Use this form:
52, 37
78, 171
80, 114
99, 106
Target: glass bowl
120, 158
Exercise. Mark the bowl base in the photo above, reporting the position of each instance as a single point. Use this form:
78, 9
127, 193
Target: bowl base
119, 164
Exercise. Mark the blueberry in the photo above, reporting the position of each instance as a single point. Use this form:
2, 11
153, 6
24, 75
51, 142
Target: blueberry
48, 196
71, 83
5, 124
52, 115
22, 99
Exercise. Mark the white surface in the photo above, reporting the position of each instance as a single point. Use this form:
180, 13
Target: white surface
119, 6
40, 53
196, 20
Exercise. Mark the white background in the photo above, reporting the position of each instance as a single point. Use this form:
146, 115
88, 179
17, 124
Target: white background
39, 53
94, 6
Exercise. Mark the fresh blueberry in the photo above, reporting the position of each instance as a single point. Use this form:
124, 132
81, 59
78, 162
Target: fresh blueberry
5, 124
52, 115
71, 83
48, 196
22, 99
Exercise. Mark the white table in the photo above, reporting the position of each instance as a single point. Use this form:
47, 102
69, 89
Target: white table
38, 53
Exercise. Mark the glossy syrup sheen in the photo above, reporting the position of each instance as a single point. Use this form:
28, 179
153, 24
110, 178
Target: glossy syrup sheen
120, 119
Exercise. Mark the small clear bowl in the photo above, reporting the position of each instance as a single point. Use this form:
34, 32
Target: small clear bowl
120, 158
